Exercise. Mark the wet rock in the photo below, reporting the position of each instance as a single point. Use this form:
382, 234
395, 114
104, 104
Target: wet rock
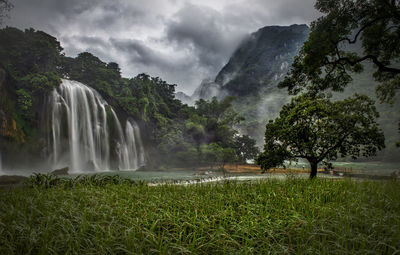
61, 171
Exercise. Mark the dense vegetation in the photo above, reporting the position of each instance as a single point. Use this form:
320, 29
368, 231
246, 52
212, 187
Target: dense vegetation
270, 217
327, 59
349, 35
175, 133
318, 130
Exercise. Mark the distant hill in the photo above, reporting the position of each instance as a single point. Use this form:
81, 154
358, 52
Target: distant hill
260, 63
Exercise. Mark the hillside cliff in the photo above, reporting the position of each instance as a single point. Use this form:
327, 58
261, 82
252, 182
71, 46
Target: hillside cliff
261, 59
260, 63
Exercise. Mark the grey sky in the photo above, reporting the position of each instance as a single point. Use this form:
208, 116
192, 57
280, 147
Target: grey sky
181, 41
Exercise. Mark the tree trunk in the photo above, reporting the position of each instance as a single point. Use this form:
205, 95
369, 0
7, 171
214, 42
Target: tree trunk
314, 168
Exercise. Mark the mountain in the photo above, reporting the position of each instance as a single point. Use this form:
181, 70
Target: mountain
261, 59
252, 74
260, 63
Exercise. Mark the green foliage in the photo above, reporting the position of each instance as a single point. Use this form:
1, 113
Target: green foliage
214, 153
328, 57
40, 83
211, 153
29, 51
31, 60
47, 181
39, 180
228, 155
317, 129
187, 155
270, 217
143, 105
349, 35
24, 102
245, 148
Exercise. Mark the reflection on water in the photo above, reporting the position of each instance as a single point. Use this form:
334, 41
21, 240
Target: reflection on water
192, 176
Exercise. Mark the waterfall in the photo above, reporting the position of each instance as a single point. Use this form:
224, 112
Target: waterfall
86, 133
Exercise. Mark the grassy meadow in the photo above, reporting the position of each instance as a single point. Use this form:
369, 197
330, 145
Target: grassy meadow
115, 216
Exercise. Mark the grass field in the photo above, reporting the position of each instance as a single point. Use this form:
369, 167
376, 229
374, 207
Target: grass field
296, 216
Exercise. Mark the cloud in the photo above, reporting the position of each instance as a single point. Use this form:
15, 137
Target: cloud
181, 41
204, 32
139, 53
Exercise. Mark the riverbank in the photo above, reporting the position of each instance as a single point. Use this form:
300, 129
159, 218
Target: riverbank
368, 170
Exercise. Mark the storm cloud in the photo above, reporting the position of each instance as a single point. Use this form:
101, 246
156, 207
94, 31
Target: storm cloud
182, 42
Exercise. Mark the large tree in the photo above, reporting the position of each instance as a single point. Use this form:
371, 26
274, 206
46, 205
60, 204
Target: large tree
351, 33
317, 130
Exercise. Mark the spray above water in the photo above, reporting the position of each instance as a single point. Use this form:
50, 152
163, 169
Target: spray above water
86, 134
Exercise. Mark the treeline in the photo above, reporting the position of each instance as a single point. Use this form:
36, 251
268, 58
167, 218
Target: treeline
175, 133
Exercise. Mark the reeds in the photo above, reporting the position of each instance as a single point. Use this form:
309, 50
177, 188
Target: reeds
110, 215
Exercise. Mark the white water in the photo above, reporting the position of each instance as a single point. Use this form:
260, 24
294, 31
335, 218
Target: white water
87, 134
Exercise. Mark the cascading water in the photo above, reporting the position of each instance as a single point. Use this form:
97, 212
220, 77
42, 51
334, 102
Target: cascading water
87, 134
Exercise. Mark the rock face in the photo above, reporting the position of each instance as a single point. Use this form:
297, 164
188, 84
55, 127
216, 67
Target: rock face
258, 64
253, 73
62, 171
262, 59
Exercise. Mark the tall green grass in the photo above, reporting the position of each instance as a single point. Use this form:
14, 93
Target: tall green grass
269, 217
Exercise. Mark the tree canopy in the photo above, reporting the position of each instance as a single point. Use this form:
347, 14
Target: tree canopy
246, 148
350, 33
317, 130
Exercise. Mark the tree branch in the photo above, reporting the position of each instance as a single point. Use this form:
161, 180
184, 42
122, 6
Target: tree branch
337, 145
379, 64
360, 30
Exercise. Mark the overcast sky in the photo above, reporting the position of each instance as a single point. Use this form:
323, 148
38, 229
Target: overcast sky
181, 41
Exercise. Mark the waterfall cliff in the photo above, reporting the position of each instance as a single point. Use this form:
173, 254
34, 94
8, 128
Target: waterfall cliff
86, 134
